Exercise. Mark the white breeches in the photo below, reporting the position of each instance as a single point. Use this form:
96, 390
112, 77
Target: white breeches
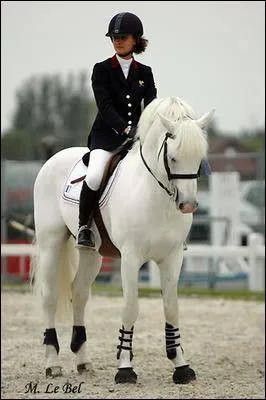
98, 160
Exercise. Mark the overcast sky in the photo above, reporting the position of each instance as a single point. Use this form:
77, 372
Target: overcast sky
209, 53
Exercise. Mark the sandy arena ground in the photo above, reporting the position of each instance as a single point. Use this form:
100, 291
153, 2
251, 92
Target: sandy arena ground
223, 342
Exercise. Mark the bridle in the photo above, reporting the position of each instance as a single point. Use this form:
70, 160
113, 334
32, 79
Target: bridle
172, 194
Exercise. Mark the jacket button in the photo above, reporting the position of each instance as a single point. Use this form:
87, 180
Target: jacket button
129, 122
129, 113
127, 96
129, 105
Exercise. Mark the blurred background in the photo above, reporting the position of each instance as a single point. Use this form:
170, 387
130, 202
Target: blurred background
211, 54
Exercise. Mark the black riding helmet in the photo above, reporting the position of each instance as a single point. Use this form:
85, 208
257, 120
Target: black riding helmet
125, 24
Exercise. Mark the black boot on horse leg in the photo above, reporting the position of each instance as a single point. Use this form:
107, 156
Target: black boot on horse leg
125, 373
87, 202
183, 374
50, 339
79, 337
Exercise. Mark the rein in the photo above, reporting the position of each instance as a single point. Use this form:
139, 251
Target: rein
171, 194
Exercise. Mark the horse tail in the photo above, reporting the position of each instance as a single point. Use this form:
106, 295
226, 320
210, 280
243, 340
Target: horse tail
35, 279
67, 267
33, 266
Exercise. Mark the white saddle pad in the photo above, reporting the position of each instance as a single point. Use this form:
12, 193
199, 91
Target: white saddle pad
73, 185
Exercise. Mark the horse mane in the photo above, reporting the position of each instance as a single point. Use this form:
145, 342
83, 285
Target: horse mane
172, 108
191, 138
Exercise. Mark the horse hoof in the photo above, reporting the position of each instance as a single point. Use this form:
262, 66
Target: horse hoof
85, 367
53, 372
183, 375
126, 375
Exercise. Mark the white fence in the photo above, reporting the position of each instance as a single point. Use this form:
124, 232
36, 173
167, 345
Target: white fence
250, 259
253, 253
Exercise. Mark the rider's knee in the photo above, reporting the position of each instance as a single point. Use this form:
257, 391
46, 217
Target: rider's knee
93, 181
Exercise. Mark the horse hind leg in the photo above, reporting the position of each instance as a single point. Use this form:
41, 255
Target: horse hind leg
88, 268
47, 282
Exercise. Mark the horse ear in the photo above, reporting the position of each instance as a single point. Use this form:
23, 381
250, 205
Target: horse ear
203, 121
169, 125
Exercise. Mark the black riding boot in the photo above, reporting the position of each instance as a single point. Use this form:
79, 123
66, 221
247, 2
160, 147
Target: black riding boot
87, 202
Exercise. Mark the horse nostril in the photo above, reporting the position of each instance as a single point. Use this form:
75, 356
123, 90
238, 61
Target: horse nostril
194, 205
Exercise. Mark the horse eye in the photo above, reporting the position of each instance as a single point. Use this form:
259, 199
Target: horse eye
173, 160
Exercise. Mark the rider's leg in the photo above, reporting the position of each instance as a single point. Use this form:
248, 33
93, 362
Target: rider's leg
88, 196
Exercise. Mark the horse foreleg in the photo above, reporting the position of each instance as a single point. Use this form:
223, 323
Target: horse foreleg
88, 269
169, 274
129, 276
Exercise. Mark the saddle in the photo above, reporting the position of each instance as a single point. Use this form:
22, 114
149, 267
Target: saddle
107, 248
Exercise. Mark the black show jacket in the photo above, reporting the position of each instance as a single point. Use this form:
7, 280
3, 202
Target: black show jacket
118, 100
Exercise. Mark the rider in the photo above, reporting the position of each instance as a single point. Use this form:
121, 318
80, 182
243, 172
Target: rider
120, 84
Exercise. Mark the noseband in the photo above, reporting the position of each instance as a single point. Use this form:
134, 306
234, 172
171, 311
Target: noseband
170, 176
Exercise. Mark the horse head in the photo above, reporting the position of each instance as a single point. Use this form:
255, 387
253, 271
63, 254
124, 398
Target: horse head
182, 147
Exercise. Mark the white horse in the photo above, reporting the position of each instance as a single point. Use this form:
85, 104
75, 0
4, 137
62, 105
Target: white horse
147, 215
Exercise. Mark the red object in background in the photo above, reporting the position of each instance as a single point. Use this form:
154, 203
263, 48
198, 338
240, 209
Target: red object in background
19, 195
106, 264
19, 266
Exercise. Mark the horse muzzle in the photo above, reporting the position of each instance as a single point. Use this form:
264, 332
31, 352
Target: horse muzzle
188, 208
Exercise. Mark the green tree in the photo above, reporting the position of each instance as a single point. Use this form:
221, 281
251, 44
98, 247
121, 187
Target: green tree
212, 129
25, 115
48, 106
18, 145
254, 141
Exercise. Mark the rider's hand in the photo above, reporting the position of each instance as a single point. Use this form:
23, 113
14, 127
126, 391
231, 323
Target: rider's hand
130, 131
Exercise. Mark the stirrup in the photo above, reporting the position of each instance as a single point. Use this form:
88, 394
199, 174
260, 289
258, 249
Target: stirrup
85, 238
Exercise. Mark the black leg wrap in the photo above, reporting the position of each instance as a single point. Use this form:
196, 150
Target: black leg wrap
50, 337
171, 336
78, 338
124, 341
